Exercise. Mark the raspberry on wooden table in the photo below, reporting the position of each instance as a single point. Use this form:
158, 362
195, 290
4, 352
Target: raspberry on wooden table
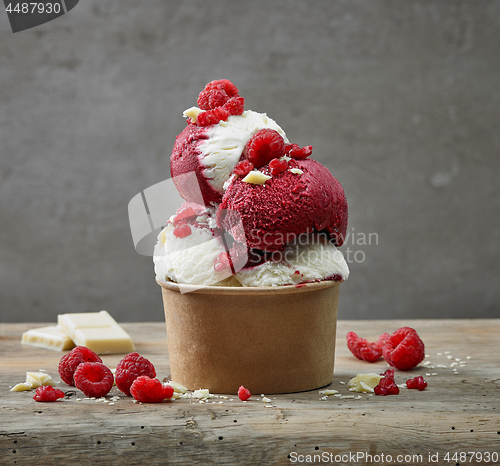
417, 382
93, 379
150, 390
387, 385
129, 368
404, 349
365, 350
48, 393
243, 393
70, 361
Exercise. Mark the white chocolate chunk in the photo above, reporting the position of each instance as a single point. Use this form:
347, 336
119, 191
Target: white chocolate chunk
328, 392
256, 177
74, 321
97, 331
52, 337
266, 400
364, 383
192, 113
178, 388
37, 379
104, 340
297, 171
21, 387
202, 393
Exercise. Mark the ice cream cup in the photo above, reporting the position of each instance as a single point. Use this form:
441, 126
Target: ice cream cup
270, 340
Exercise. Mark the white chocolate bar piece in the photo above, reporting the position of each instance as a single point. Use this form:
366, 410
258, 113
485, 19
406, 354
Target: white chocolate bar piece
48, 337
97, 331
104, 340
34, 380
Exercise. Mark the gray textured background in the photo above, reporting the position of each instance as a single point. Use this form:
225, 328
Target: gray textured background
401, 101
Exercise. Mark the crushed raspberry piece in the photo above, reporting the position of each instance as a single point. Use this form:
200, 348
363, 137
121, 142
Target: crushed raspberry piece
296, 152
212, 117
129, 368
387, 385
186, 214
217, 93
404, 349
93, 379
277, 166
223, 262
181, 231
150, 390
243, 393
48, 393
263, 146
417, 382
365, 350
243, 168
70, 361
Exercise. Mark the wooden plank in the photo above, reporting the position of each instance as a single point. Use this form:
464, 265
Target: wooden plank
457, 413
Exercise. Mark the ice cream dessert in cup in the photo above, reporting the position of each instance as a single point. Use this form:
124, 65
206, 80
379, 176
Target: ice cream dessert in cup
249, 265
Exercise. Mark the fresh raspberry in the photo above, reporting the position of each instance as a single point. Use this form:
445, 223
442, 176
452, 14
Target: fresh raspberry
216, 94
263, 146
277, 166
417, 382
181, 231
243, 393
223, 262
150, 390
365, 350
93, 379
404, 349
294, 151
129, 368
48, 393
70, 361
212, 117
387, 385
243, 168
235, 105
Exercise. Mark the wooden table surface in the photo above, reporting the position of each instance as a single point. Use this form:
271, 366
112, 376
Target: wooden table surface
458, 412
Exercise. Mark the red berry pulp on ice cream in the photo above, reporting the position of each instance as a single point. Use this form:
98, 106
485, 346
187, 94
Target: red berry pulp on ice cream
277, 166
243, 168
181, 231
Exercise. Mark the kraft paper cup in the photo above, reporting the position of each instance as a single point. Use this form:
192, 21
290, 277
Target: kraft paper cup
270, 340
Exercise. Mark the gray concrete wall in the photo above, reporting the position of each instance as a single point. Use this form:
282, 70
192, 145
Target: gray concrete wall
401, 101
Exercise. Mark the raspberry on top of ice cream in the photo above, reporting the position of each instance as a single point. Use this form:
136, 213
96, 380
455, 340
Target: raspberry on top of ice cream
212, 150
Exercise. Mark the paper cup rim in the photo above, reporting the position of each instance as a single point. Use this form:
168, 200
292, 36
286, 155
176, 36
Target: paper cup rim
245, 290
